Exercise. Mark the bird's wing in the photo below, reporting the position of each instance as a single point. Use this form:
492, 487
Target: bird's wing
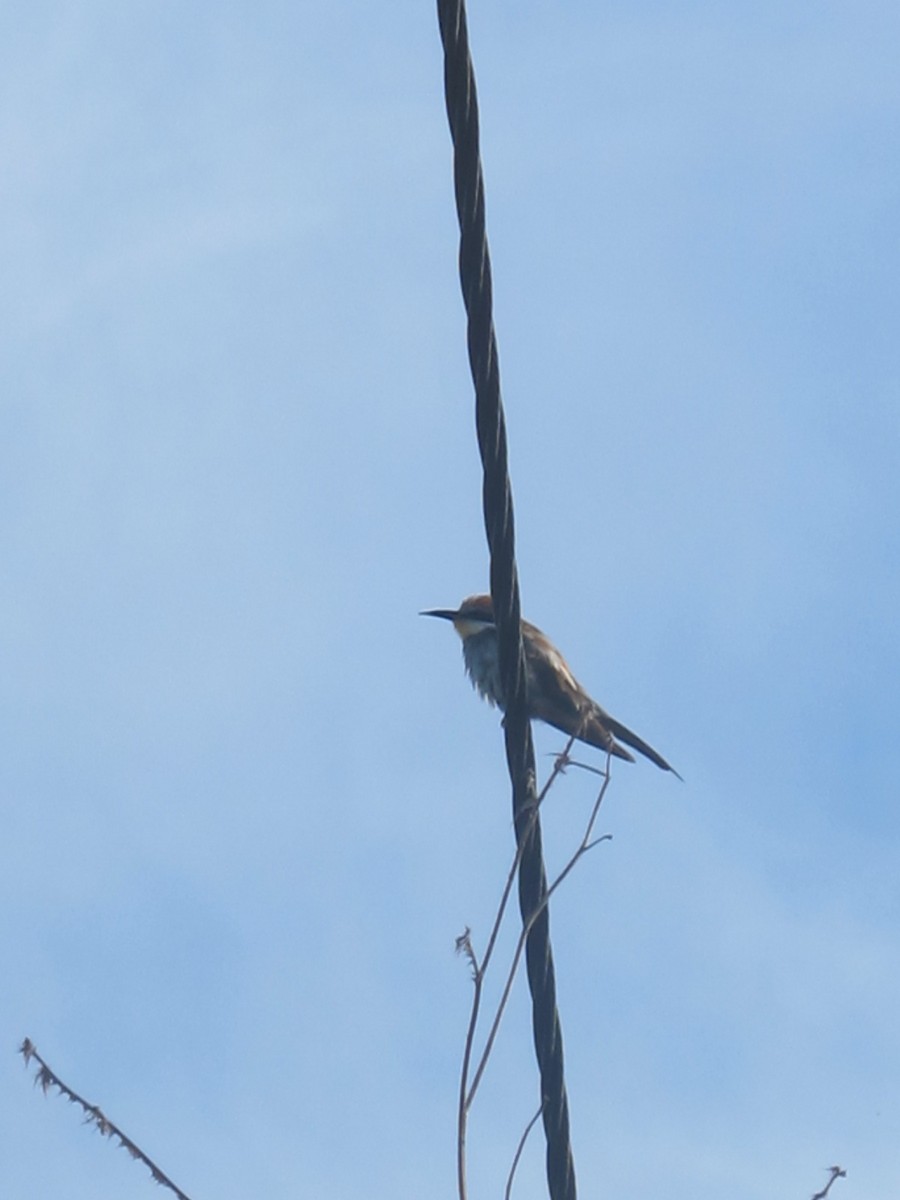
555, 696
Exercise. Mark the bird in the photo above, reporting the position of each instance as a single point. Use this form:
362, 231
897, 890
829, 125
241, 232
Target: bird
554, 695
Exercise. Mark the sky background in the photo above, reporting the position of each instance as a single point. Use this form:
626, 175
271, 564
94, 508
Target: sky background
249, 798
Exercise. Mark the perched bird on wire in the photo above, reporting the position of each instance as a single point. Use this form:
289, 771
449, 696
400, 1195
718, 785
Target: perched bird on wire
554, 694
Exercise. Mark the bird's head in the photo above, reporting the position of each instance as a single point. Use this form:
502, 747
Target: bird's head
474, 615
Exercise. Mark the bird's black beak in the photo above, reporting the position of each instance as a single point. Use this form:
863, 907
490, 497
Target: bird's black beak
448, 614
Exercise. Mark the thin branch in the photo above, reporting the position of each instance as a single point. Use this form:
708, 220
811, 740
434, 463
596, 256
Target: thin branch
521, 1146
559, 766
464, 946
46, 1078
586, 845
836, 1173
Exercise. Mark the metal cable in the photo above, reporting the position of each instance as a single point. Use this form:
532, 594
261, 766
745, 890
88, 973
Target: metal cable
475, 277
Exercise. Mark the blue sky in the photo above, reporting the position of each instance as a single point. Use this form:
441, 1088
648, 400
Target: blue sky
249, 798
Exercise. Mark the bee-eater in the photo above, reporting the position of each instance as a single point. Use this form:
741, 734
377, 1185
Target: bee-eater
554, 694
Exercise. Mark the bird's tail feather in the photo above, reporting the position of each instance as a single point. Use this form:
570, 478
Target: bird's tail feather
597, 733
636, 743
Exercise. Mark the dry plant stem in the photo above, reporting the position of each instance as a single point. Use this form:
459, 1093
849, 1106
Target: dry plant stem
521, 1146
465, 945
559, 766
48, 1078
478, 970
586, 844
836, 1173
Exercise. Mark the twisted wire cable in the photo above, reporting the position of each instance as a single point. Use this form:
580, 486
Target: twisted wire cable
475, 278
